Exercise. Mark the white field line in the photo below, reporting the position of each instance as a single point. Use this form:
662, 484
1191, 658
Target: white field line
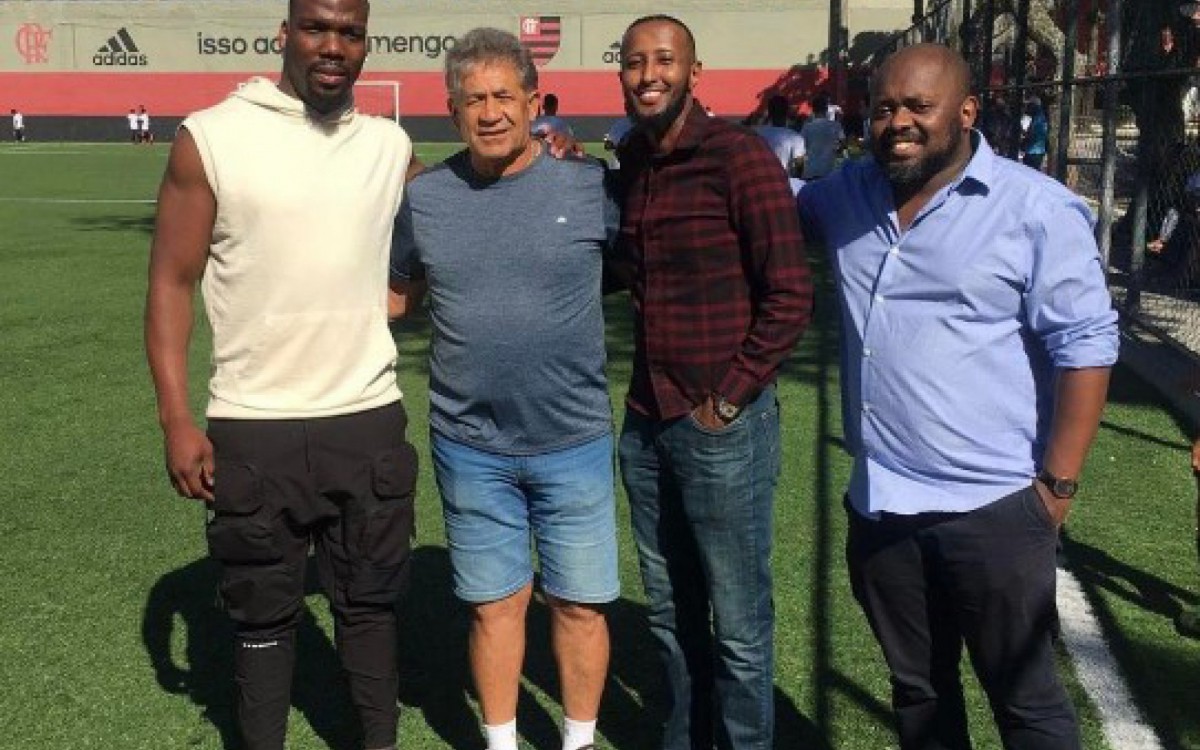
1122, 723
73, 151
42, 152
52, 201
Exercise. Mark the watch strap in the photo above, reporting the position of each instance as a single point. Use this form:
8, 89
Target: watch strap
1063, 488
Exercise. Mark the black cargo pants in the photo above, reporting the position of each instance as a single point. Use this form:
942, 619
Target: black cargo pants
343, 485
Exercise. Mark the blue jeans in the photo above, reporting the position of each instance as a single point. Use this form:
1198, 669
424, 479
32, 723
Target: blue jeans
701, 503
564, 500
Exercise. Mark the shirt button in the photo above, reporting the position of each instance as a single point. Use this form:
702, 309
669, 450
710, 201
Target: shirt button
895, 250
879, 298
866, 408
866, 352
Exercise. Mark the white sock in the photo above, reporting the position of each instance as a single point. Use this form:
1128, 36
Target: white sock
501, 736
578, 734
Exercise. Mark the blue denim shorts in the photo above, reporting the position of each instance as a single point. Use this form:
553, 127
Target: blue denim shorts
495, 504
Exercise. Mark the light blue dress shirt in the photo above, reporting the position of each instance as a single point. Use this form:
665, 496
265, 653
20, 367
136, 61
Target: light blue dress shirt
953, 329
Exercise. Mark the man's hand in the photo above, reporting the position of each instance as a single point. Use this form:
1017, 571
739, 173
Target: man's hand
1196, 457
1058, 508
190, 461
563, 146
706, 415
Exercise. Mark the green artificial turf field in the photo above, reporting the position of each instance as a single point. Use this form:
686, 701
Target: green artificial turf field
109, 637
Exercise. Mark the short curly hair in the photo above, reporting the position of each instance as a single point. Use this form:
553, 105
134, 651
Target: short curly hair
487, 45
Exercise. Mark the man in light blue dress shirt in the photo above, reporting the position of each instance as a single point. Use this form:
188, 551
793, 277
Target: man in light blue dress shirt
978, 334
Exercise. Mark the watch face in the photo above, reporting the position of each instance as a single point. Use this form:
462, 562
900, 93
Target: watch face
1065, 488
726, 410
1061, 488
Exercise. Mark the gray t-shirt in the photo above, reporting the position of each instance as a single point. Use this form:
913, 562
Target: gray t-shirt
514, 271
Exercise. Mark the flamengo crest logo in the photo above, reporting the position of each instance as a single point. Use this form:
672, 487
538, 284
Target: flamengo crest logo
33, 42
541, 35
120, 50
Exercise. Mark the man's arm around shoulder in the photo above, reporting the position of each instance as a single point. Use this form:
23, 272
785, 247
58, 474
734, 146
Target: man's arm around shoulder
178, 254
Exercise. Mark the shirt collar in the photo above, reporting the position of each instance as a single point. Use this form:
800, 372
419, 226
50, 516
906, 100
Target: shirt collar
981, 169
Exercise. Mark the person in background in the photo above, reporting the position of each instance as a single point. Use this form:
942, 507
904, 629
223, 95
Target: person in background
787, 144
996, 124
823, 140
1173, 262
18, 126
1036, 136
613, 139
135, 130
549, 121
145, 134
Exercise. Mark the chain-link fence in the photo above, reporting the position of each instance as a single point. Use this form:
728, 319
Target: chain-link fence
1105, 96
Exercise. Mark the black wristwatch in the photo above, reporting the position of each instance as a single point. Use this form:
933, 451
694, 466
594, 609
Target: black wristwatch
1060, 487
726, 410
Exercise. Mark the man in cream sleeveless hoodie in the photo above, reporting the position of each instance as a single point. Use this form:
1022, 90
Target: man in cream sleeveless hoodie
279, 201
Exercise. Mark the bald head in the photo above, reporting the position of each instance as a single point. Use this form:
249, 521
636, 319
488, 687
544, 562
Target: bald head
935, 57
922, 113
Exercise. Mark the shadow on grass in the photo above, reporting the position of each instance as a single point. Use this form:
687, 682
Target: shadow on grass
187, 598
1161, 674
1126, 387
435, 676
117, 223
1096, 569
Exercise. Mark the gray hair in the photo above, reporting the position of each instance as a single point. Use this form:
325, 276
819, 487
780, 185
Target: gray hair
486, 45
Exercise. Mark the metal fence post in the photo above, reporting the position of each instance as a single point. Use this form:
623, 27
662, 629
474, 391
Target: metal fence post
1017, 75
1066, 100
1108, 153
961, 10
988, 30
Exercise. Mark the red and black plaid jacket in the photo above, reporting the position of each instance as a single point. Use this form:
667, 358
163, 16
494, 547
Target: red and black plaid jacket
711, 249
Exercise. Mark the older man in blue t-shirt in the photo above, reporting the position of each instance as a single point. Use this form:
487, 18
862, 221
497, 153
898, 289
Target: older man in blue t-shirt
510, 243
978, 336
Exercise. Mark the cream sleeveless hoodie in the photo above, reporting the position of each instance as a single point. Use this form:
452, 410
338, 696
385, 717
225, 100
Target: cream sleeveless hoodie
296, 282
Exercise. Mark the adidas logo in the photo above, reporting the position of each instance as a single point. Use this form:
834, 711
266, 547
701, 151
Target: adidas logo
119, 50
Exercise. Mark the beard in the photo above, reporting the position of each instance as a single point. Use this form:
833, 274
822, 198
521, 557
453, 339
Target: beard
915, 173
659, 122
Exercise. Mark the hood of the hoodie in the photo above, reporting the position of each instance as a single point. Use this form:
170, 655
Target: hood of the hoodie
266, 93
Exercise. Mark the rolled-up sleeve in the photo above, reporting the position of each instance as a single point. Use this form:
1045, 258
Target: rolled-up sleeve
1068, 303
